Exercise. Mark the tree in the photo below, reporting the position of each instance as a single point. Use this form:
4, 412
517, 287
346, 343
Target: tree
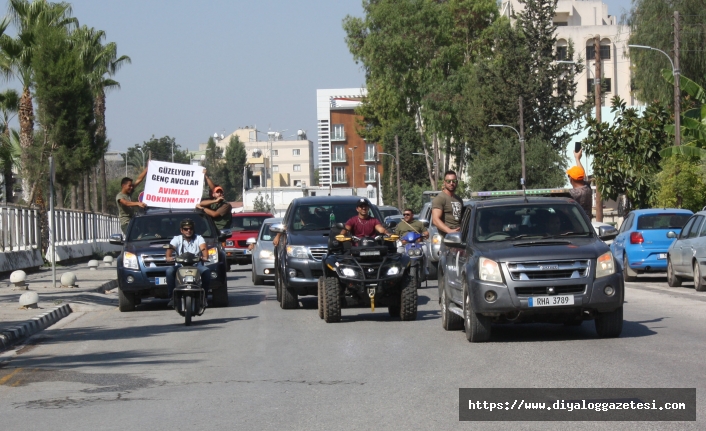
230, 171
9, 105
651, 24
160, 149
693, 121
681, 177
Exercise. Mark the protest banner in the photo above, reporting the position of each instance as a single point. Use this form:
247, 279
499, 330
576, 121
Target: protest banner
173, 185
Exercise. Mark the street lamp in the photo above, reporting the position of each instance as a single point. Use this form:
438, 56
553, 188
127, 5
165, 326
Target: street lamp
433, 164
677, 92
522, 150
399, 188
355, 191
143, 154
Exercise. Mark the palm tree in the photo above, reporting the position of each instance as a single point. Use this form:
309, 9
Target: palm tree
9, 105
101, 63
16, 59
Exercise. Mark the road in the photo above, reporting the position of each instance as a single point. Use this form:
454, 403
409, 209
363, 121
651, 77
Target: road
255, 366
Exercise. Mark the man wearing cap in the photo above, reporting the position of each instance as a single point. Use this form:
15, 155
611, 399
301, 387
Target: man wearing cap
363, 225
409, 224
581, 191
187, 242
217, 207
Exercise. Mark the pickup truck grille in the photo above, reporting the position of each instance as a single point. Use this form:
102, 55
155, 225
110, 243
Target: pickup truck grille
542, 290
318, 252
151, 260
549, 270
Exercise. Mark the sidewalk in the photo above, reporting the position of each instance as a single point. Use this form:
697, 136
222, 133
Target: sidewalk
16, 324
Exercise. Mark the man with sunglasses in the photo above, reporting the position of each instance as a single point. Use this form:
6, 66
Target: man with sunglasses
187, 242
409, 224
446, 207
363, 225
218, 208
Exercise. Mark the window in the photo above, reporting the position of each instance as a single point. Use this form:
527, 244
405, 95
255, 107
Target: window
339, 153
685, 231
275, 168
296, 152
275, 153
605, 85
297, 183
338, 133
339, 174
591, 52
627, 223
561, 52
694, 231
370, 152
370, 174
661, 221
297, 168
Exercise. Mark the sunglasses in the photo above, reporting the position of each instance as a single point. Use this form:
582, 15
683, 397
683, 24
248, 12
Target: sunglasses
187, 228
407, 214
451, 181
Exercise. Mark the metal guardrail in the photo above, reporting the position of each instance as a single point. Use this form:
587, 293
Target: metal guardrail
19, 228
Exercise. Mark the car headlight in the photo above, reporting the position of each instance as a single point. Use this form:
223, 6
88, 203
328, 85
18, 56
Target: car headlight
394, 270
605, 265
489, 270
266, 254
213, 255
130, 260
297, 251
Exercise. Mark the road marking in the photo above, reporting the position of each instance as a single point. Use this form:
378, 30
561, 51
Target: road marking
9, 376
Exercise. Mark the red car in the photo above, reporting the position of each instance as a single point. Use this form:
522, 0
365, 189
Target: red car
243, 226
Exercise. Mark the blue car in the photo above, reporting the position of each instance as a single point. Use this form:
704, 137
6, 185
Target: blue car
642, 241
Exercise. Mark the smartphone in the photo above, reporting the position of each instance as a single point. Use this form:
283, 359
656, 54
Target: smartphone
577, 147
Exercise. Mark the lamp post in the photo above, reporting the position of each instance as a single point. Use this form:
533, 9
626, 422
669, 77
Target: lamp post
522, 150
677, 101
433, 164
143, 154
355, 191
399, 188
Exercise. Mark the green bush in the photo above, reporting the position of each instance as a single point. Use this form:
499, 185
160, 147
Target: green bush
681, 176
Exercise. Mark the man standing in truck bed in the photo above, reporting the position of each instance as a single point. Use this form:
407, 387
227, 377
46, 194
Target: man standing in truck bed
446, 207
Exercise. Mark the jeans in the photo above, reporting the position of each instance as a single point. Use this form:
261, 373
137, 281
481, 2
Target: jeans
204, 272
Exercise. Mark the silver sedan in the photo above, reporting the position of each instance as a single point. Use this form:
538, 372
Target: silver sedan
263, 258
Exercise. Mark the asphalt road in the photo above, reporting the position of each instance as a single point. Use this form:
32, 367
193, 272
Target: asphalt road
255, 366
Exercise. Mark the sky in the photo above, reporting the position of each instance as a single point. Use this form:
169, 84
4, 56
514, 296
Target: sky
212, 66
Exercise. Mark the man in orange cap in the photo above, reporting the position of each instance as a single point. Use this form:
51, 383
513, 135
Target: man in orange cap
581, 191
218, 208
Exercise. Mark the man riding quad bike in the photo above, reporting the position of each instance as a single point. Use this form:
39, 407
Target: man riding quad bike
365, 268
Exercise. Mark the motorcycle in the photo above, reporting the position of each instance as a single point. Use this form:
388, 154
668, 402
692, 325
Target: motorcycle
189, 296
412, 245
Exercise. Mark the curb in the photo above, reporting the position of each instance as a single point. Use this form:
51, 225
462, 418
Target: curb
30, 327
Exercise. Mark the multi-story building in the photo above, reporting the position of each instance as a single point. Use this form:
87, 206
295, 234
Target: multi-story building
289, 162
579, 21
346, 160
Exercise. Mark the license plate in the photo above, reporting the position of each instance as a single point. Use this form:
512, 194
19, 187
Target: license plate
549, 301
160, 280
662, 256
370, 253
248, 252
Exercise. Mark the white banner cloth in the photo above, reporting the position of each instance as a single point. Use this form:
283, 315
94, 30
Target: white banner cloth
173, 185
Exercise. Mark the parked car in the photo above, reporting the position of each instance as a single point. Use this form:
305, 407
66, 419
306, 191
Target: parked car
302, 246
263, 257
142, 266
386, 211
242, 227
642, 241
686, 257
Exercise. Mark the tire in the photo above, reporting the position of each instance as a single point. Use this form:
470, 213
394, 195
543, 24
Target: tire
449, 320
187, 310
278, 287
673, 280
394, 310
320, 296
126, 301
290, 300
628, 274
699, 285
252, 275
408, 297
610, 325
332, 300
478, 327
433, 270
220, 297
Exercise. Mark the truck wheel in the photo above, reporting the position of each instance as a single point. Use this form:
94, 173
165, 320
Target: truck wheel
290, 300
673, 280
610, 325
449, 320
408, 297
256, 279
698, 280
478, 327
320, 296
628, 274
126, 301
332, 300
278, 287
220, 297
433, 270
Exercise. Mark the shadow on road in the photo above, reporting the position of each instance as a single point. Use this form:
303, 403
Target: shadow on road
532, 332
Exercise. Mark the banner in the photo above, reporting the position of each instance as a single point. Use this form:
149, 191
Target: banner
173, 185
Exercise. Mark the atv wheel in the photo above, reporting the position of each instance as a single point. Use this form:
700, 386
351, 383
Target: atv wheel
332, 300
408, 299
320, 296
394, 310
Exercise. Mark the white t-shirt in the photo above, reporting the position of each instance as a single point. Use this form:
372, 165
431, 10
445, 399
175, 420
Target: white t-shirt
182, 245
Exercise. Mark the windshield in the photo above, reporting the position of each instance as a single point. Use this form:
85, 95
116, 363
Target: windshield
662, 221
167, 226
318, 217
265, 233
389, 212
247, 223
529, 221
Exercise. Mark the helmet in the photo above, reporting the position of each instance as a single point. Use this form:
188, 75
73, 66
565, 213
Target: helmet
187, 222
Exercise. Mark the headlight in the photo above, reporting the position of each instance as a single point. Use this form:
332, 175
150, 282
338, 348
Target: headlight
418, 252
410, 252
213, 255
297, 251
266, 254
348, 272
393, 270
605, 265
489, 270
130, 260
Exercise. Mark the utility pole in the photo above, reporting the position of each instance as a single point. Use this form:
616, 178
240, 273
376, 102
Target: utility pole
522, 145
597, 86
397, 163
677, 90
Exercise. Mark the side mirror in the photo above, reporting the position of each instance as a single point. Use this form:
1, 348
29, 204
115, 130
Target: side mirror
671, 234
392, 224
424, 222
116, 238
277, 228
453, 240
251, 241
224, 234
607, 233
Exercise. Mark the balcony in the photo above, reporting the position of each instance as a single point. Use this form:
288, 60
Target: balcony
370, 179
339, 179
338, 158
370, 157
336, 136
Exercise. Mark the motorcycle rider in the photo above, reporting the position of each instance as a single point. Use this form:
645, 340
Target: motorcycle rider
187, 242
409, 224
363, 225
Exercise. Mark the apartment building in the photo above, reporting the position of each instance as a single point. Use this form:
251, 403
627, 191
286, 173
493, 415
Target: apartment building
289, 162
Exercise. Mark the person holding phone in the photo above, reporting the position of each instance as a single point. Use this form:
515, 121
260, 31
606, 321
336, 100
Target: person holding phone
581, 190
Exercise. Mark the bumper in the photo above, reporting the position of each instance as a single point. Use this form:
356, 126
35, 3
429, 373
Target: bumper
265, 268
649, 262
302, 275
241, 256
593, 297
